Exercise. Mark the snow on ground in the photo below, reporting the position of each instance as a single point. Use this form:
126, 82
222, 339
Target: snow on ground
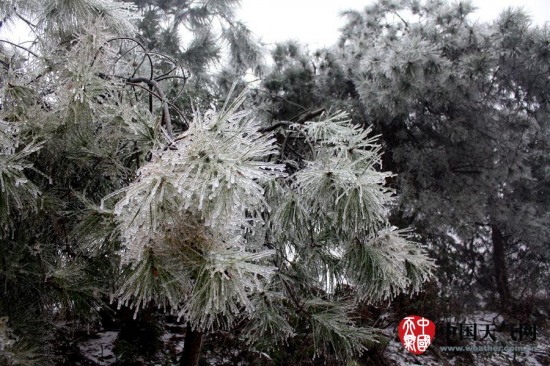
100, 349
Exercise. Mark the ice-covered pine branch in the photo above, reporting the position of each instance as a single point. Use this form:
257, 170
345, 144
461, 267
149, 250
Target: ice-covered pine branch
184, 219
214, 171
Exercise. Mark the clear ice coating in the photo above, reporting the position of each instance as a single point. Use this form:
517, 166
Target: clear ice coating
215, 172
216, 197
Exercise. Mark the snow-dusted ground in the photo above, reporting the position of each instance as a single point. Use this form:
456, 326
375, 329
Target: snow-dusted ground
99, 350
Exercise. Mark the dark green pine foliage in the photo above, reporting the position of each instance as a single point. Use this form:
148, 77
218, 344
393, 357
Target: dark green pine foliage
301, 82
203, 38
63, 146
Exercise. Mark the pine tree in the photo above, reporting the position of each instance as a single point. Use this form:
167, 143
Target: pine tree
462, 106
201, 36
104, 198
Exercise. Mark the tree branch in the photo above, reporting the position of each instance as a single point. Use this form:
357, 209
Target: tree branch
18, 46
166, 120
309, 115
146, 53
273, 127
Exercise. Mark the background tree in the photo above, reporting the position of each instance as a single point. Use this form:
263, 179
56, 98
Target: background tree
463, 112
105, 199
203, 38
301, 83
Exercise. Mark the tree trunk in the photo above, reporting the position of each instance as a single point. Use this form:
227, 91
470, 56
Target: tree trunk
191, 348
501, 272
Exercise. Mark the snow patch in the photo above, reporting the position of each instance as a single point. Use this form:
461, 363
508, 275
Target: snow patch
100, 349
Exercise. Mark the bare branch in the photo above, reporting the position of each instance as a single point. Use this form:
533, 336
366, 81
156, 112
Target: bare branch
145, 52
166, 120
18, 46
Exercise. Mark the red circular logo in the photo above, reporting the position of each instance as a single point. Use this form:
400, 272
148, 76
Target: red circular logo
416, 333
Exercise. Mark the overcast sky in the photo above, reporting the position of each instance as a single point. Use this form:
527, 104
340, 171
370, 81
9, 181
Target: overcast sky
316, 22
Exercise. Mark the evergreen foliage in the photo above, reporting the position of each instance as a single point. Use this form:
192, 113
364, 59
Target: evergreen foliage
114, 190
134, 181
463, 109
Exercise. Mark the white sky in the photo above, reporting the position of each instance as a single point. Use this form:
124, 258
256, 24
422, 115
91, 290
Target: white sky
316, 22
